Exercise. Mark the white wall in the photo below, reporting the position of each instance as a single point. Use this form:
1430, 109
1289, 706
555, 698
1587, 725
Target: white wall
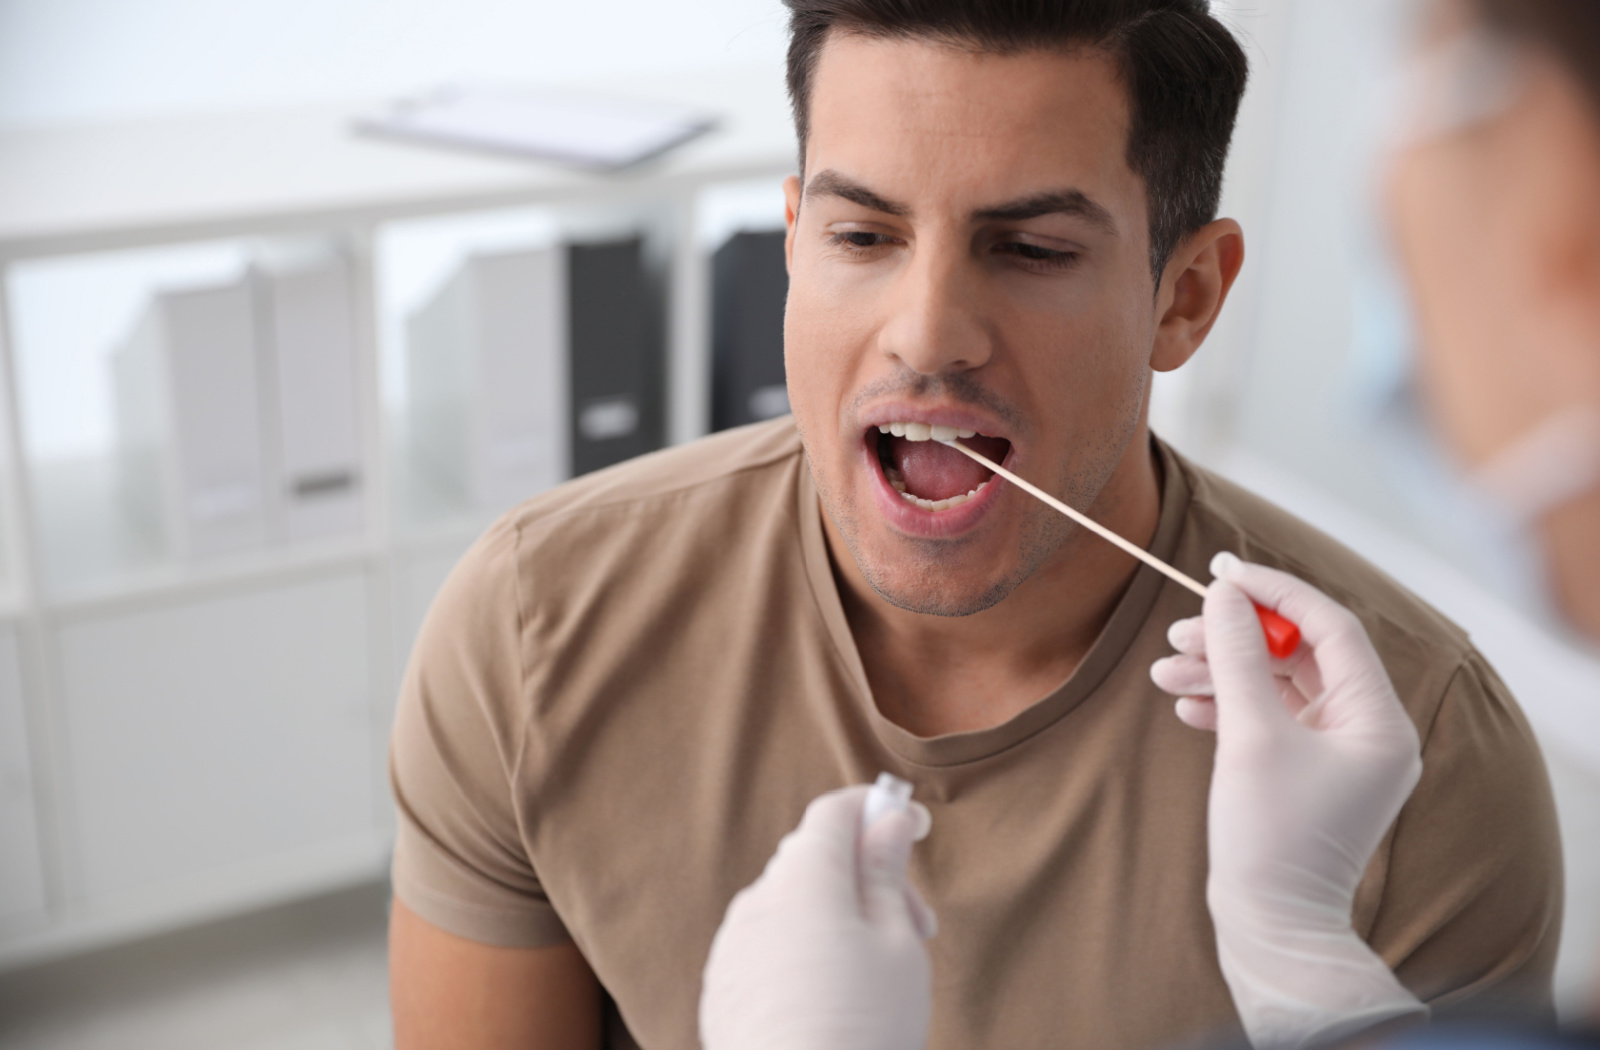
70, 60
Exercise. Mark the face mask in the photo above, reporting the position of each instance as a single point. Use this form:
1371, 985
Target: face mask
1488, 515
1488, 540
1484, 518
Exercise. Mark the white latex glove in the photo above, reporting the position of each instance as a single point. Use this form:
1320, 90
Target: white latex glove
1315, 757
823, 952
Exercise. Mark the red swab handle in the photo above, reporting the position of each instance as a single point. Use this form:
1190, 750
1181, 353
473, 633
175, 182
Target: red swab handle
1283, 637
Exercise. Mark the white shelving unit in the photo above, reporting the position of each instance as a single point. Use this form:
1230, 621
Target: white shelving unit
180, 739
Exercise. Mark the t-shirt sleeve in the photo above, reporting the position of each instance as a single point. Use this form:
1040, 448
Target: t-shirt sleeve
460, 861
1470, 910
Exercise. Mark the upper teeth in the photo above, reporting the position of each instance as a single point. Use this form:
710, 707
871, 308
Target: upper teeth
924, 431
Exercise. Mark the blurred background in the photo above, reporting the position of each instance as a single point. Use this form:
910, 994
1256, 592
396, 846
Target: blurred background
253, 375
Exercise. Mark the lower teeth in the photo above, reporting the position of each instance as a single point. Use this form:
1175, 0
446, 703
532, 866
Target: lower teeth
928, 504
898, 482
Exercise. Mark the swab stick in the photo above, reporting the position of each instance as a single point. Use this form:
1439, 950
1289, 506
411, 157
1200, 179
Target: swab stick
1283, 637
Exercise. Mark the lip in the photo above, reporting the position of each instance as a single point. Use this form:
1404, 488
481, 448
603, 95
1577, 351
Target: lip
907, 517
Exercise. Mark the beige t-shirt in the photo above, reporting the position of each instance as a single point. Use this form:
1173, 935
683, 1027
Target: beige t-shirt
632, 685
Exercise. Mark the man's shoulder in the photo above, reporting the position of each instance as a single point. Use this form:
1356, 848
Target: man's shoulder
1413, 637
724, 465
673, 511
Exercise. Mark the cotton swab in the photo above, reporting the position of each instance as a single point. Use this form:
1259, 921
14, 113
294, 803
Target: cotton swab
1283, 637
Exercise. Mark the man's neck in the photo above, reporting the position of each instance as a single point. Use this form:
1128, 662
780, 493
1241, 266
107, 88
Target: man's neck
935, 675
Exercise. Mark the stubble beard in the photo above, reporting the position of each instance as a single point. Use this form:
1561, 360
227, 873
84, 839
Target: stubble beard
919, 583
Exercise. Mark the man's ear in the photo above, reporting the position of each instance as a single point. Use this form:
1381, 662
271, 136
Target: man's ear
791, 214
1193, 289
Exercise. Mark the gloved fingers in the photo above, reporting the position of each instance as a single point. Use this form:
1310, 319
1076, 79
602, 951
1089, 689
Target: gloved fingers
829, 810
1247, 691
1182, 675
1198, 712
922, 915
1323, 622
1188, 674
818, 858
885, 855
1307, 677
1189, 678
1337, 662
1349, 677
1188, 636
1295, 701
922, 821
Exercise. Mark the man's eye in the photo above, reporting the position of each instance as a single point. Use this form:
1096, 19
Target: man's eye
859, 240
1039, 257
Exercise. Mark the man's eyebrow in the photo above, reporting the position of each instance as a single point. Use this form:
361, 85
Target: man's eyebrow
832, 184
1059, 202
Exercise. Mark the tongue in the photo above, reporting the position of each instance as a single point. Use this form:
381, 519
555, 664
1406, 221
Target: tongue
934, 472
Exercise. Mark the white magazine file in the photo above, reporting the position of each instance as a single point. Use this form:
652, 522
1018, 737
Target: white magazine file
188, 409
237, 410
488, 378
307, 350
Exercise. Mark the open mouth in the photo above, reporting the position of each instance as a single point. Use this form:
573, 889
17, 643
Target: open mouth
930, 475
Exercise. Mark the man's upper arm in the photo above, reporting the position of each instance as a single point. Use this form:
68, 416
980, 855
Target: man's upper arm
448, 991
460, 862
1470, 913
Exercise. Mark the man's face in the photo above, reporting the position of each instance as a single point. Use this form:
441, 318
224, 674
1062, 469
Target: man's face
969, 249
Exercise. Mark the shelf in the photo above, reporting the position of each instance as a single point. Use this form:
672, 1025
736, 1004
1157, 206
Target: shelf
94, 588
92, 554
142, 182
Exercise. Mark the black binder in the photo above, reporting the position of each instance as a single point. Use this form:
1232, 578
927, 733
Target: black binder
749, 285
618, 366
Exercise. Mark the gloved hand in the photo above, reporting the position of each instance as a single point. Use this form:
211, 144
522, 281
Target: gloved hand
1315, 757
824, 951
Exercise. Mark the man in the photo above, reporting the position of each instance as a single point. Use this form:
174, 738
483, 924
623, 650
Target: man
631, 686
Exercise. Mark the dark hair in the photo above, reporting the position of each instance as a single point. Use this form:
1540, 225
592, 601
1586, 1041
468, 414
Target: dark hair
1184, 70
1569, 29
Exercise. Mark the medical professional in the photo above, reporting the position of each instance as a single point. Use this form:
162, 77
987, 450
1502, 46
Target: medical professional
1495, 205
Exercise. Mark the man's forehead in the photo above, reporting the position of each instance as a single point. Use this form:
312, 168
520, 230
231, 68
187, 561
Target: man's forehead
922, 110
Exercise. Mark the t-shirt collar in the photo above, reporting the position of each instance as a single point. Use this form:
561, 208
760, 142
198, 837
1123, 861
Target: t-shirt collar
1127, 620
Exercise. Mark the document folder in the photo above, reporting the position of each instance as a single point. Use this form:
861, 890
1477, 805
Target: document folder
188, 410
487, 366
533, 366
307, 348
749, 286
618, 370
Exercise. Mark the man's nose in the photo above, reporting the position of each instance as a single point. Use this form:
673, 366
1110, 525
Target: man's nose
935, 325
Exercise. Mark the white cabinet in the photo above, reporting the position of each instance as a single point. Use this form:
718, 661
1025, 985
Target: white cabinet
215, 731
22, 895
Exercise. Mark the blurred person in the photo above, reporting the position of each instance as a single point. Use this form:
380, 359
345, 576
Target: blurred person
1495, 205
1495, 202
1493, 197
631, 687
